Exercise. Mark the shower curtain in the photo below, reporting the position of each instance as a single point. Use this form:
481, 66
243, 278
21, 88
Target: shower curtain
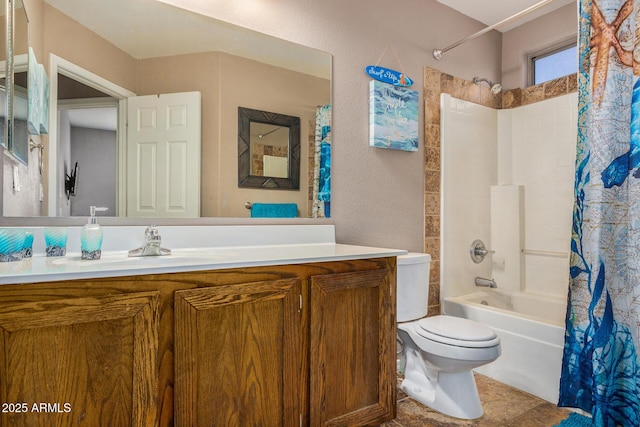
600, 368
321, 207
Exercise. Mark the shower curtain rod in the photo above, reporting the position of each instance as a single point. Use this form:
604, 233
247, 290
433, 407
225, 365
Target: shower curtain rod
437, 53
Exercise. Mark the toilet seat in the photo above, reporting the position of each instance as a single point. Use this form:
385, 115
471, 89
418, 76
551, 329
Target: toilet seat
456, 331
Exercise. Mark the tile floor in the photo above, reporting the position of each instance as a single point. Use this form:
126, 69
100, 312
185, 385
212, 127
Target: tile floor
504, 406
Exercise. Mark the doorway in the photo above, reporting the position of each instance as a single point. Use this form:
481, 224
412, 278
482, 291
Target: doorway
87, 147
81, 89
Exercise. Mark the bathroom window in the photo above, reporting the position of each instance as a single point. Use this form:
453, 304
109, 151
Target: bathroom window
553, 63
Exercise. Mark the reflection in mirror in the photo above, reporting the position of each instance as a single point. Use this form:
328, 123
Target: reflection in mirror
90, 129
13, 77
268, 150
16, 134
140, 47
19, 134
20, 164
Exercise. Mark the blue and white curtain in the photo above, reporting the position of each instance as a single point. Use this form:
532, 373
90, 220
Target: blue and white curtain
322, 164
600, 368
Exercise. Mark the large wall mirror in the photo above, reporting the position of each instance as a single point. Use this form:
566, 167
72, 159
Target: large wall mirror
107, 58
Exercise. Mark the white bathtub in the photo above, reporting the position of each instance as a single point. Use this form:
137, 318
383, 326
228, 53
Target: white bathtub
531, 330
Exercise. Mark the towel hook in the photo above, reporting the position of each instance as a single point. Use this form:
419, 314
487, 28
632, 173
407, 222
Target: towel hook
40, 147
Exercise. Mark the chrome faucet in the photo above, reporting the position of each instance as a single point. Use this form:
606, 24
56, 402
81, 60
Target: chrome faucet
152, 244
488, 283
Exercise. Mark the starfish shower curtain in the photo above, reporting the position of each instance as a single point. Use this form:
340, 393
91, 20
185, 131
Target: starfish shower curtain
600, 368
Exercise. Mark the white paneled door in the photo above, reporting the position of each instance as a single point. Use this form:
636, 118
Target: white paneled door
163, 155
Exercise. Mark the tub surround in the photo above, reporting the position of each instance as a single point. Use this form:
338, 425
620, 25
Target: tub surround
301, 331
436, 83
194, 248
519, 198
507, 235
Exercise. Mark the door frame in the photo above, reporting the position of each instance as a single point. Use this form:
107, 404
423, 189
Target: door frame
62, 66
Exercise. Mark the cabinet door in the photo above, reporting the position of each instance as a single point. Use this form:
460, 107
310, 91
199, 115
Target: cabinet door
80, 361
352, 366
237, 355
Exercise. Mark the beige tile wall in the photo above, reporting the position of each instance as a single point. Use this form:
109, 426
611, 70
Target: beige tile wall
436, 83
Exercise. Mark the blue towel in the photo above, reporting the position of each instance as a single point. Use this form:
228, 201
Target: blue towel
274, 210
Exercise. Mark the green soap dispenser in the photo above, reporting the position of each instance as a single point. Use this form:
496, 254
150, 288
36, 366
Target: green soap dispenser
91, 236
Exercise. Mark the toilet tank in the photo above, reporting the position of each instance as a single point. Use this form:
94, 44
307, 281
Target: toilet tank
412, 286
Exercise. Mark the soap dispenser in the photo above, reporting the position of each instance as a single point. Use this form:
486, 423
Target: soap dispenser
91, 236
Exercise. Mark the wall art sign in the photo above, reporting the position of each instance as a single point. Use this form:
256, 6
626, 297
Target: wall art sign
388, 75
393, 117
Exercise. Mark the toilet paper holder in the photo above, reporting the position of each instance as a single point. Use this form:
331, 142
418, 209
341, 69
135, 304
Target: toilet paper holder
478, 251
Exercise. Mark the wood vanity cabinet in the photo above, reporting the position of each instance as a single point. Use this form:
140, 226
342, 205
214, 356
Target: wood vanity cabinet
294, 345
78, 360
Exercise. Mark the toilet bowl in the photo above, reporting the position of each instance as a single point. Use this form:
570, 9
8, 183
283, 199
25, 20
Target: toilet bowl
440, 351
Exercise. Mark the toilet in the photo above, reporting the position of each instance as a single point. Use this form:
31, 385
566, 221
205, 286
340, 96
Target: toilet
439, 351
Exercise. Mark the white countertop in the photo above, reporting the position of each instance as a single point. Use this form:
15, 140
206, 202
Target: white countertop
292, 246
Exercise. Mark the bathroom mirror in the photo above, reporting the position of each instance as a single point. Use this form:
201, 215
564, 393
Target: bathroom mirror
268, 150
147, 48
14, 81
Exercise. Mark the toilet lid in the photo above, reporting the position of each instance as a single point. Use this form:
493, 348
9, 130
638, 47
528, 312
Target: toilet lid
457, 331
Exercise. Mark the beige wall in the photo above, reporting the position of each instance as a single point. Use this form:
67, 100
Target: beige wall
226, 83
542, 33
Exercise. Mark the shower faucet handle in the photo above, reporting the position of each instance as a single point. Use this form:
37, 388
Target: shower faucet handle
478, 251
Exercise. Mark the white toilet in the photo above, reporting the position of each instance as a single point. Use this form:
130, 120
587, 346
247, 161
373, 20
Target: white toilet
440, 351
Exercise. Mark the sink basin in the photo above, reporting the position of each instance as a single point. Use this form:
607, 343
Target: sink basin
210, 253
189, 256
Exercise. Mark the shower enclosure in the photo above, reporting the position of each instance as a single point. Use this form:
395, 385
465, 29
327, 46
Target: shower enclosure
507, 179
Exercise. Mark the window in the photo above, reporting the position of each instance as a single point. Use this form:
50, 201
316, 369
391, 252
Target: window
555, 63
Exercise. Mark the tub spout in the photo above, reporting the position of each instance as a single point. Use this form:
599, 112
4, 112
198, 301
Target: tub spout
489, 283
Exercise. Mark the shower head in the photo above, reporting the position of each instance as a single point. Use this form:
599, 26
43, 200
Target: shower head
496, 88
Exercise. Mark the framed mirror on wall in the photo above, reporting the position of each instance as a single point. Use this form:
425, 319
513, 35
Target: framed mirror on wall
268, 150
149, 48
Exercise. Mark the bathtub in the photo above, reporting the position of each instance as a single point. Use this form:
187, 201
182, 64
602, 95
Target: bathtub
531, 331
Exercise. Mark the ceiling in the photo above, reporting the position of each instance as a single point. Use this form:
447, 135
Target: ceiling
491, 12
105, 118
151, 28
